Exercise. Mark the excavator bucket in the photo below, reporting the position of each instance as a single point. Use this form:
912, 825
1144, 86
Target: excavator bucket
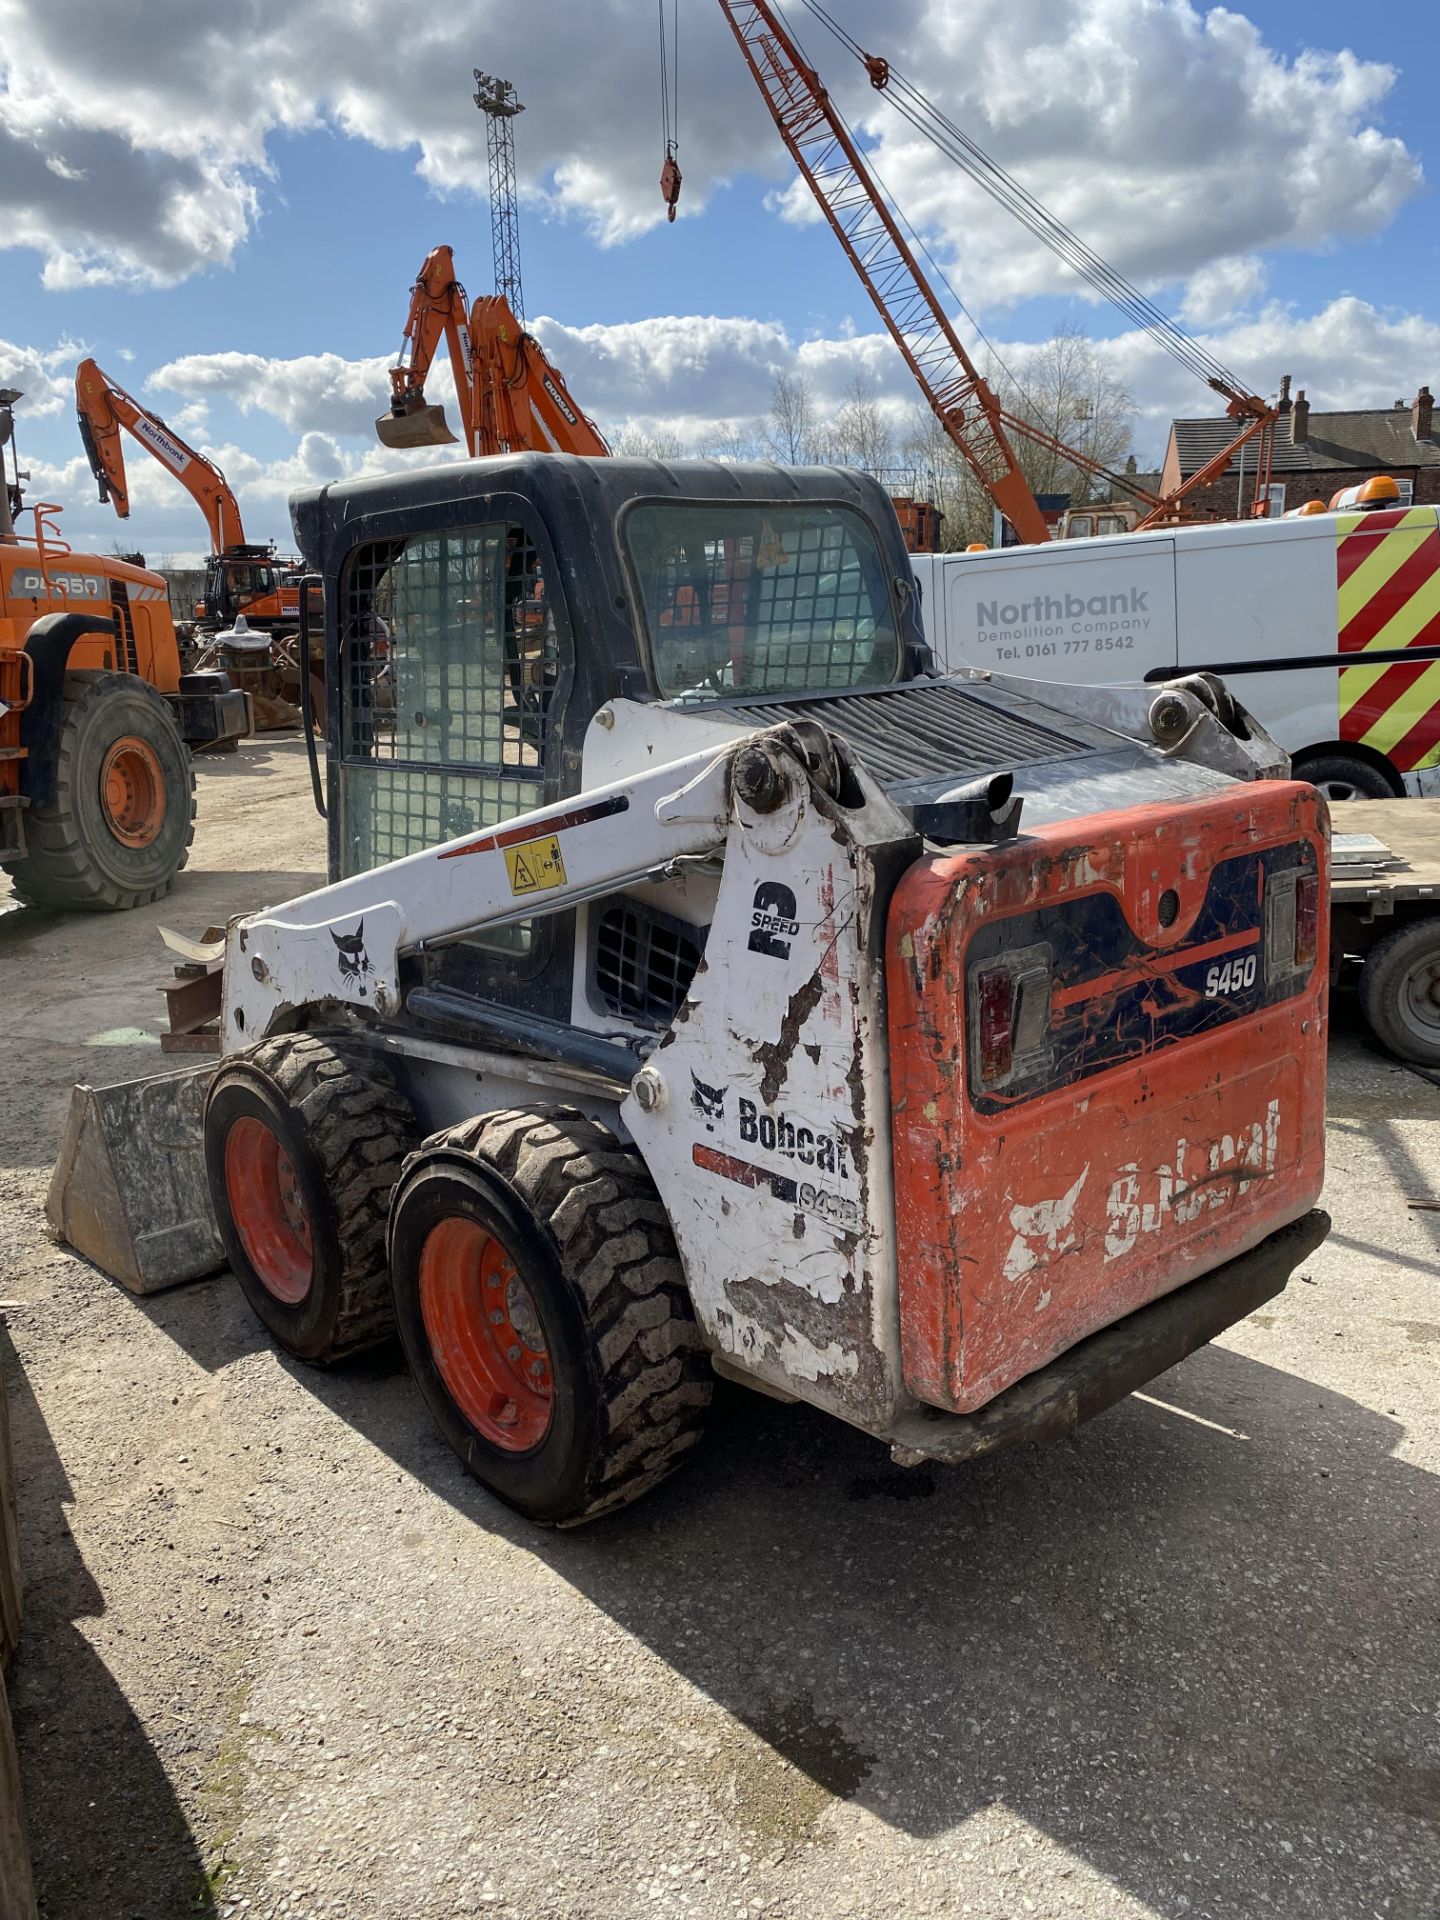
419, 425
128, 1191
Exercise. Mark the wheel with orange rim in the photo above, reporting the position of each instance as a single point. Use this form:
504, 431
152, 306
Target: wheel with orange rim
132, 791
304, 1139
544, 1312
113, 827
262, 1193
485, 1333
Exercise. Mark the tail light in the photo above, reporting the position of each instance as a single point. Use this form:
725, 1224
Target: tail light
1292, 922
995, 992
1307, 918
1010, 1014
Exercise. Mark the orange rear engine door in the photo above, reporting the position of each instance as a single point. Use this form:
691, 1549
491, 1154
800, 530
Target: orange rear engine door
1107, 1049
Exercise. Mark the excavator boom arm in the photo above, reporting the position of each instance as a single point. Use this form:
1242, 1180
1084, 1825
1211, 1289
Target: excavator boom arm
104, 407
438, 310
525, 403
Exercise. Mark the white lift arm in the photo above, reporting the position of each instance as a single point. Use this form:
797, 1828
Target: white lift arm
343, 944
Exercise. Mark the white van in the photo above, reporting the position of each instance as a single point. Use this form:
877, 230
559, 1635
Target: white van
1327, 627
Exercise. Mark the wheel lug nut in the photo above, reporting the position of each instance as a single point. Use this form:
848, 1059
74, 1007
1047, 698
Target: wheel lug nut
497, 1318
513, 1353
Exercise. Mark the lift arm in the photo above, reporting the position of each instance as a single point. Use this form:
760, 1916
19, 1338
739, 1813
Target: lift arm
344, 943
104, 408
438, 310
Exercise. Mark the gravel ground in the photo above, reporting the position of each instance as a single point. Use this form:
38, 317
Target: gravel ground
283, 1658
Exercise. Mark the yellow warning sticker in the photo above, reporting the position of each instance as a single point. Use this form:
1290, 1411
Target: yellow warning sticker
535, 865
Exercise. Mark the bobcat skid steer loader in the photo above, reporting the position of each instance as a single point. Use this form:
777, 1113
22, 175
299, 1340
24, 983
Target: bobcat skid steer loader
708, 987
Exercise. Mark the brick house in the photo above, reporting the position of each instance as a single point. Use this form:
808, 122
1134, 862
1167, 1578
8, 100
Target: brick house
1315, 455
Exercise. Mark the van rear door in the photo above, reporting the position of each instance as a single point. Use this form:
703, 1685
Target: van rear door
1082, 612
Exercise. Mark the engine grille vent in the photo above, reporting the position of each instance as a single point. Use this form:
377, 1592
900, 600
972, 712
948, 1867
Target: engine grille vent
644, 962
907, 733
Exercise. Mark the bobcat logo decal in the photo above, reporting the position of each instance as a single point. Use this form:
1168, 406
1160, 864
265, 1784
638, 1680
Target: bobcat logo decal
355, 967
708, 1102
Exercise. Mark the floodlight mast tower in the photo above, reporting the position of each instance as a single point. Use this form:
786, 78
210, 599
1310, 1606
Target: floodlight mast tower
497, 100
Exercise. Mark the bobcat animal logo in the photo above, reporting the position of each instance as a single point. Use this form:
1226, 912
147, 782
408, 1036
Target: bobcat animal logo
355, 967
708, 1102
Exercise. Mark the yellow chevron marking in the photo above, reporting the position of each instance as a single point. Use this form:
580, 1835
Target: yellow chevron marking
1356, 682
1389, 553
1403, 625
1397, 720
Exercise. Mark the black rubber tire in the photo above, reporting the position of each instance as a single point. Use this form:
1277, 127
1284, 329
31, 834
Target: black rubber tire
1341, 776
346, 1128
1390, 968
579, 1215
74, 862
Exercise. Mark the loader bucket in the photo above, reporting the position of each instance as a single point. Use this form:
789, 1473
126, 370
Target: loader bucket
128, 1190
416, 426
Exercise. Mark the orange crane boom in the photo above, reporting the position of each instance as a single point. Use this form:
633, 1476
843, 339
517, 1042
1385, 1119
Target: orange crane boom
820, 145
104, 407
963, 401
512, 397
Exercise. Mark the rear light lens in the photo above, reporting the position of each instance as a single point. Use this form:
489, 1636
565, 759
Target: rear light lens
995, 994
1010, 1012
1292, 922
1307, 918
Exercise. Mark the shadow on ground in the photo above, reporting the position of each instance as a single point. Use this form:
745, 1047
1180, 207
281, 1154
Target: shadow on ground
107, 1834
1193, 1644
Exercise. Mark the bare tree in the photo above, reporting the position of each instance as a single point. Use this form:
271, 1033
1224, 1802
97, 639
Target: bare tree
791, 434
862, 432
633, 443
1069, 393
735, 440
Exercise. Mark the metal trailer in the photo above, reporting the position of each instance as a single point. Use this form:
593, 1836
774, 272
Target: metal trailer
1385, 913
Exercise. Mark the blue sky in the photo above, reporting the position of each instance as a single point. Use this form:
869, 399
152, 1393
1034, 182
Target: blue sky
1261, 169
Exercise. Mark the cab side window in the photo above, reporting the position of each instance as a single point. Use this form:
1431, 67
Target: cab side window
449, 653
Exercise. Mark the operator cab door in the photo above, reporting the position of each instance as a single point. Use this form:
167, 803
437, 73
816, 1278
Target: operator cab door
1087, 613
455, 664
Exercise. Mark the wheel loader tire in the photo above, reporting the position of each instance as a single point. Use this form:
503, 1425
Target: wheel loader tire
119, 827
544, 1312
304, 1141
1400, 991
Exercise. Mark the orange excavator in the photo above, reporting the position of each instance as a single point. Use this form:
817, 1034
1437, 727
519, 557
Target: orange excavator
248, 617
239, 578
512, 396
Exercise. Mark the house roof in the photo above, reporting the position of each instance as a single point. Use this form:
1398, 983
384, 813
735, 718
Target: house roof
1380, 437
1149, 479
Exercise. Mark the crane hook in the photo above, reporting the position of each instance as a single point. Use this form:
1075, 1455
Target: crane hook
670, 177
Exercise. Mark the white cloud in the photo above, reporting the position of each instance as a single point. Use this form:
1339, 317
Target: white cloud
311, 391
1219, 292
707, 379
45, 375
1170, 137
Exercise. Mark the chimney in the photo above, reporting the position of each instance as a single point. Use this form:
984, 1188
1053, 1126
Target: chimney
1283, 406
1130, 463
1422, 413
1300, 420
